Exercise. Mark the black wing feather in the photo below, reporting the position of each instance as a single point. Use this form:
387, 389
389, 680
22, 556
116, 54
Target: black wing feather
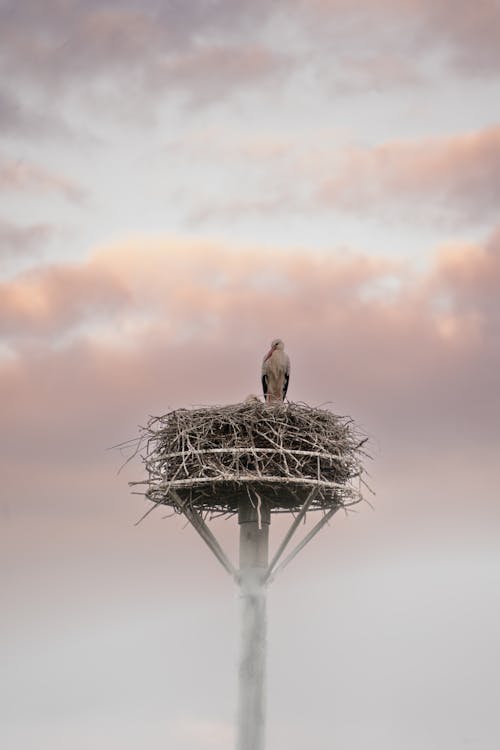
285, 385
264, 385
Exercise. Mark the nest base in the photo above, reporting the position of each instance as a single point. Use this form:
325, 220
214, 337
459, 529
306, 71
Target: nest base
212, 459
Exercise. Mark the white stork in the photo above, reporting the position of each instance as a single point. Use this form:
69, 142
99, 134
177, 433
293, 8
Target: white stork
275, 372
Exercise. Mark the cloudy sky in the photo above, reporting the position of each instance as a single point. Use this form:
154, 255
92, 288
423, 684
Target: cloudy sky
180, 183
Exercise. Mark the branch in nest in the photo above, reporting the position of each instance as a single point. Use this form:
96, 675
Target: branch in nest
213, 455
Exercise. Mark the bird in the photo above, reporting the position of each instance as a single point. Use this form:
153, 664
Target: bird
275, 372
252, 399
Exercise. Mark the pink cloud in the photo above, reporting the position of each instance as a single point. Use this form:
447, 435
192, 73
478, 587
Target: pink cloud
454, 178
471, 32
145, 326
49, 301
447, 180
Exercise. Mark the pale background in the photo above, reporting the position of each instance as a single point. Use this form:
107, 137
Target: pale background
182, 182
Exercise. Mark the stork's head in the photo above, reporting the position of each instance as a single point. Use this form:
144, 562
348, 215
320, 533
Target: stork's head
277, 344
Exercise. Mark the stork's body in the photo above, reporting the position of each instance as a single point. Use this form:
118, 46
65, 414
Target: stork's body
275, 372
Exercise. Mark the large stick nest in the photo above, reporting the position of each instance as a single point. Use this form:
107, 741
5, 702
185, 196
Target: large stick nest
211, 458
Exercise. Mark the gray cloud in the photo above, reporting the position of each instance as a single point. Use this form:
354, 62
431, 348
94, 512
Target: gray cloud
185, 45
466, 37
207, 51
18, 118
11, 115
16, 240
20, 175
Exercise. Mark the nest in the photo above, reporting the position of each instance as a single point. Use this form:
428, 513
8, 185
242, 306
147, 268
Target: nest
213, 458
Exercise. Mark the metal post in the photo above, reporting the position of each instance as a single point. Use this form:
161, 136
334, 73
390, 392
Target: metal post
254, 552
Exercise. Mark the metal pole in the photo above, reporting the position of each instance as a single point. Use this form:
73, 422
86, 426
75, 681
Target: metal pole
291, 531
254, 553
201, 527
305, 541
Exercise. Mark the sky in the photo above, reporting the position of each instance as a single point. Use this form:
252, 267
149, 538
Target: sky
182, 182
